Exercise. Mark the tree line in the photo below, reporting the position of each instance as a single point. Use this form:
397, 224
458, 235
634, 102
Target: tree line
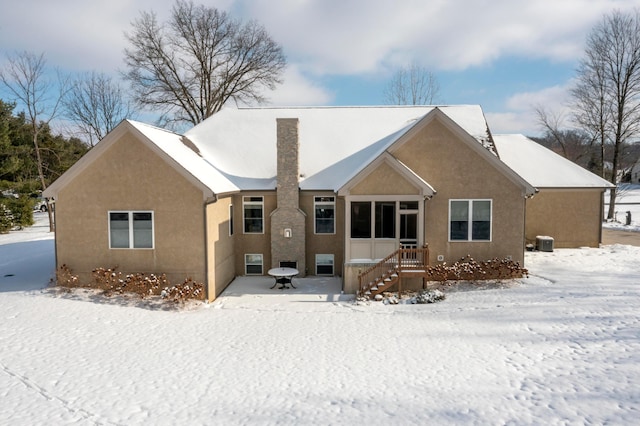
18, 162
21, 170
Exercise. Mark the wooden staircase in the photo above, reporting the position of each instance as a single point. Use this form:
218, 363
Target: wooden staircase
404, 262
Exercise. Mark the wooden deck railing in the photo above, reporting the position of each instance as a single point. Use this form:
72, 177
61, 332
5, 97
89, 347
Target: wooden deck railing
413, 259
389, 270
370, 277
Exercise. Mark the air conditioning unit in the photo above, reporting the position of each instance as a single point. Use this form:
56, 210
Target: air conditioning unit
544, 243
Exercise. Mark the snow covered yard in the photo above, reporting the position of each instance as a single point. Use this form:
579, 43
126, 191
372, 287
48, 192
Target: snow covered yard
561, 347
628, 200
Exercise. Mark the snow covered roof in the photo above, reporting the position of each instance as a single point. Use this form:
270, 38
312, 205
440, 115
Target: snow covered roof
169, 145
334, 141
542, 167
235, 149
178, 149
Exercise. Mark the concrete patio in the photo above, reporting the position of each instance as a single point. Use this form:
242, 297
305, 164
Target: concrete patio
328, 289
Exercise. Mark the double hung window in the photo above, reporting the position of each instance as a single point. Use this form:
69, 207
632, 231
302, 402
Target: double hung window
131, 229
325, 215
470, 220
253, 215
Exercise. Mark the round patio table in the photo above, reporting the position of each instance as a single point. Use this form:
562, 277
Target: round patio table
283, 276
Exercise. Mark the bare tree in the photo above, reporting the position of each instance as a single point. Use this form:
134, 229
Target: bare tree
25, 77
96, 105
413, 85
592, 103
607, 94
573, 144
191, 66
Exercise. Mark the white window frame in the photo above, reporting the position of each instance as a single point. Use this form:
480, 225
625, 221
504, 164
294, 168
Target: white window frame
320, 201
384, 219
247, 201
130, 214
319, 256
470, 202
247, 263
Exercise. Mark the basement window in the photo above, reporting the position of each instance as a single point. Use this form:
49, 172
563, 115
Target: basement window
253, 264
324, 264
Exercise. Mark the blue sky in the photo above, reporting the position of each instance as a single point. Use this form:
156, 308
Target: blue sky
506, 55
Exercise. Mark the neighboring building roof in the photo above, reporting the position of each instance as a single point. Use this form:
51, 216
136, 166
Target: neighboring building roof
542, 167
334, 141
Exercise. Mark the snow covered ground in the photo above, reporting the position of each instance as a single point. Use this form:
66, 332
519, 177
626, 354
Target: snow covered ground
628, 193
561, 347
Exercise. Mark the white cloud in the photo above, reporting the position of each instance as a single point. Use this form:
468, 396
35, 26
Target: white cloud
326, 36
522, 122
520, 115
337, 36
297, 90
554, 99
78, 35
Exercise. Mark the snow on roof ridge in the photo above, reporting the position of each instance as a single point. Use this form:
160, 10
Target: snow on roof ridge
137, 123
241, 141
307, 107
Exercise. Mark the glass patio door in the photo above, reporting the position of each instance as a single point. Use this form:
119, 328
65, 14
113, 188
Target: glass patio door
408, 230
408, 224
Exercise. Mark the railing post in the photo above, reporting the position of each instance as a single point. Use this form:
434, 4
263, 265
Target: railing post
399, 272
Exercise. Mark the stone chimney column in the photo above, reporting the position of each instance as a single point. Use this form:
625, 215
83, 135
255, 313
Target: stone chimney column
287, 220
288, 146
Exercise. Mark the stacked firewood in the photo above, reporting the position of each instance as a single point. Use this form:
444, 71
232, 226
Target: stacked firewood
468, 269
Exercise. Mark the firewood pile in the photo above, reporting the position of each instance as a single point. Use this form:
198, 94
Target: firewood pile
468, 269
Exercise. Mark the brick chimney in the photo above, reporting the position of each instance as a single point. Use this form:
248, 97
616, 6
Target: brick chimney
287, 220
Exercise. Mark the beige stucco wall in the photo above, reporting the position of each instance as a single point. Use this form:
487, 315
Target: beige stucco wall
261, 243
323, 243
253, 243
456, 171
220, 247
572, 217
384, 180
129, 176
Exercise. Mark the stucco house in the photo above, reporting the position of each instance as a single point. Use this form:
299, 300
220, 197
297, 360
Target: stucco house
328, 190
568, 205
